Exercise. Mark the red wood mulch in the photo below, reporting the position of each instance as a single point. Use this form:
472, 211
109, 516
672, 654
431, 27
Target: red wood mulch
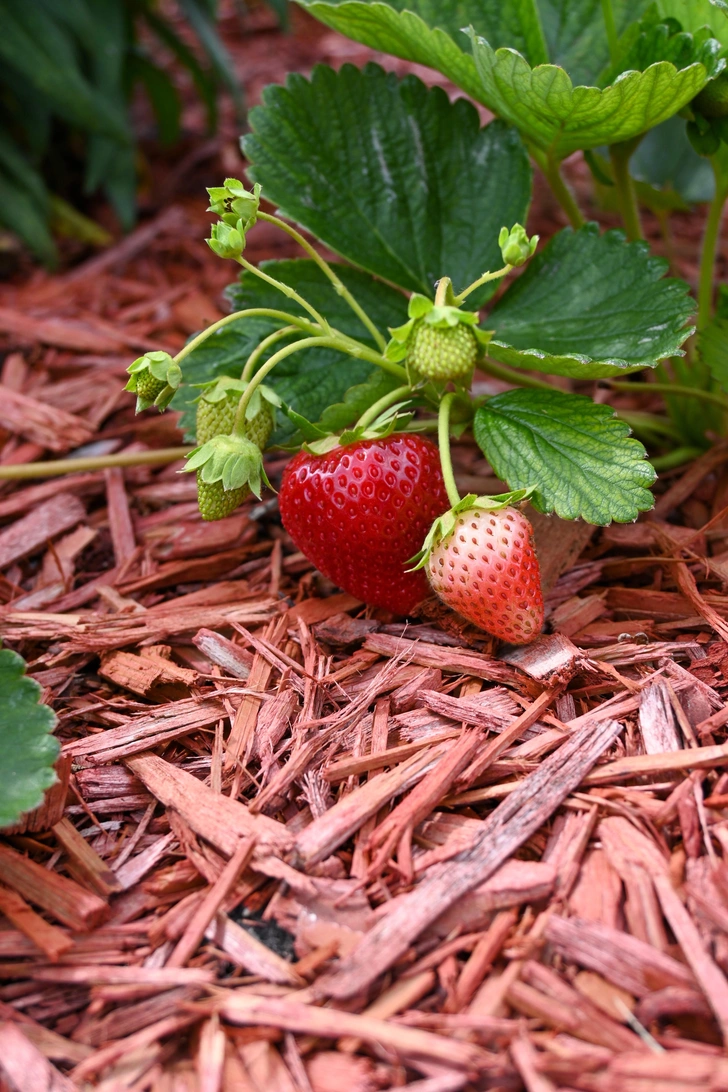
298, 846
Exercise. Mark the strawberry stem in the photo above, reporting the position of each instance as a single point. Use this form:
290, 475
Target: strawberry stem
669, 388
326, 269
248, 312
56, 467
387, 400
482, 280
443, 436
287, 291
444, 286
294, 347
258, 351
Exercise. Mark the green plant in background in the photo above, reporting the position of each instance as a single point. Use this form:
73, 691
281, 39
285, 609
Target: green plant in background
68, 70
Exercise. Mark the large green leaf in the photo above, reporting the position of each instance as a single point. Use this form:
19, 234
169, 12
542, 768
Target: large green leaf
577, 454
694, 14
27, 748
314, 379
569, 33
590, 305
392, 175
560, 118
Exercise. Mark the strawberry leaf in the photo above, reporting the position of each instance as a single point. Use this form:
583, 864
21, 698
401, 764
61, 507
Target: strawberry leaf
391, 174
713, 343
588, 306
549, 110
577, 455
309, 381
27, 747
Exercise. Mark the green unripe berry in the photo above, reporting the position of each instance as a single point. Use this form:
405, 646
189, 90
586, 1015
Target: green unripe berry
147, 387
443, 353
216, 502
218, 418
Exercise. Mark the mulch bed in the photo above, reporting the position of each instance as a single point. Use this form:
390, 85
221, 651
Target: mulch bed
302, 846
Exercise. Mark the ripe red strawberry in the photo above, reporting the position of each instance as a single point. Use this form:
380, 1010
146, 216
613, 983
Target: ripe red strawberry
360, 512
487, 570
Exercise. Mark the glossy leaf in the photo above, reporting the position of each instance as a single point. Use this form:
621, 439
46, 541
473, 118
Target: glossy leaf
27, 747
577, 454
590, 305
392, 175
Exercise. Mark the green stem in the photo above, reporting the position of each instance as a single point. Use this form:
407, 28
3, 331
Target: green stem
611, 28
443, 436
362, 352
620, 155
510, 375
675, 458
671, 388
294, 347
648, 424
55, 467
324, 266
482, 280
287, 291
387, 400
550, 168
249, 312
709, 247
444, 285
258, 351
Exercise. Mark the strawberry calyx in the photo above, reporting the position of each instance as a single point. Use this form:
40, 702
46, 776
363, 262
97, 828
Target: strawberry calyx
233, 460
238, 211
445, 524
219, 390
154, 377
439, 316
390, 421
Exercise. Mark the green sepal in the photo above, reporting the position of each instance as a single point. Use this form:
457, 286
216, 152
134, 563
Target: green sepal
445, 524
234, 204
390, 421
162, 367
233, 460
516, 246
217, 390
442, 317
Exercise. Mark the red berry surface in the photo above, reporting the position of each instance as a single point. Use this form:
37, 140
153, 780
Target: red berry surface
487, 570
360, 512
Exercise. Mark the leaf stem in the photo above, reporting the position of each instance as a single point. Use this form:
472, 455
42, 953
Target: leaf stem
443, 436
675, 458
249, 312
287, 291
670, 388
550, 169
510, 375
482, 280
56, 467
444, 285
619, 155
387, 400
709, 247
306, 343
258, 351
325, 268
610, 27
648, 424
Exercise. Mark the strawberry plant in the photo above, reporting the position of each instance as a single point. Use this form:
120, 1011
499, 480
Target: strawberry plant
27, 747
347, 362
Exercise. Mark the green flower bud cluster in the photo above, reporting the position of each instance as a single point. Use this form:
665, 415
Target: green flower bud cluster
238, 210
516, 247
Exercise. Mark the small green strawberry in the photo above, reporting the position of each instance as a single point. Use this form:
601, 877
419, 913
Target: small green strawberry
154, 378
216, 502
216, 411
443, 353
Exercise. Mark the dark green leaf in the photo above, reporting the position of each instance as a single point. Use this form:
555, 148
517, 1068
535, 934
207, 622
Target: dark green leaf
310, 381
665, 158
713, 350
577, 454
27, 747
390, 174
591, 305
576, 36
